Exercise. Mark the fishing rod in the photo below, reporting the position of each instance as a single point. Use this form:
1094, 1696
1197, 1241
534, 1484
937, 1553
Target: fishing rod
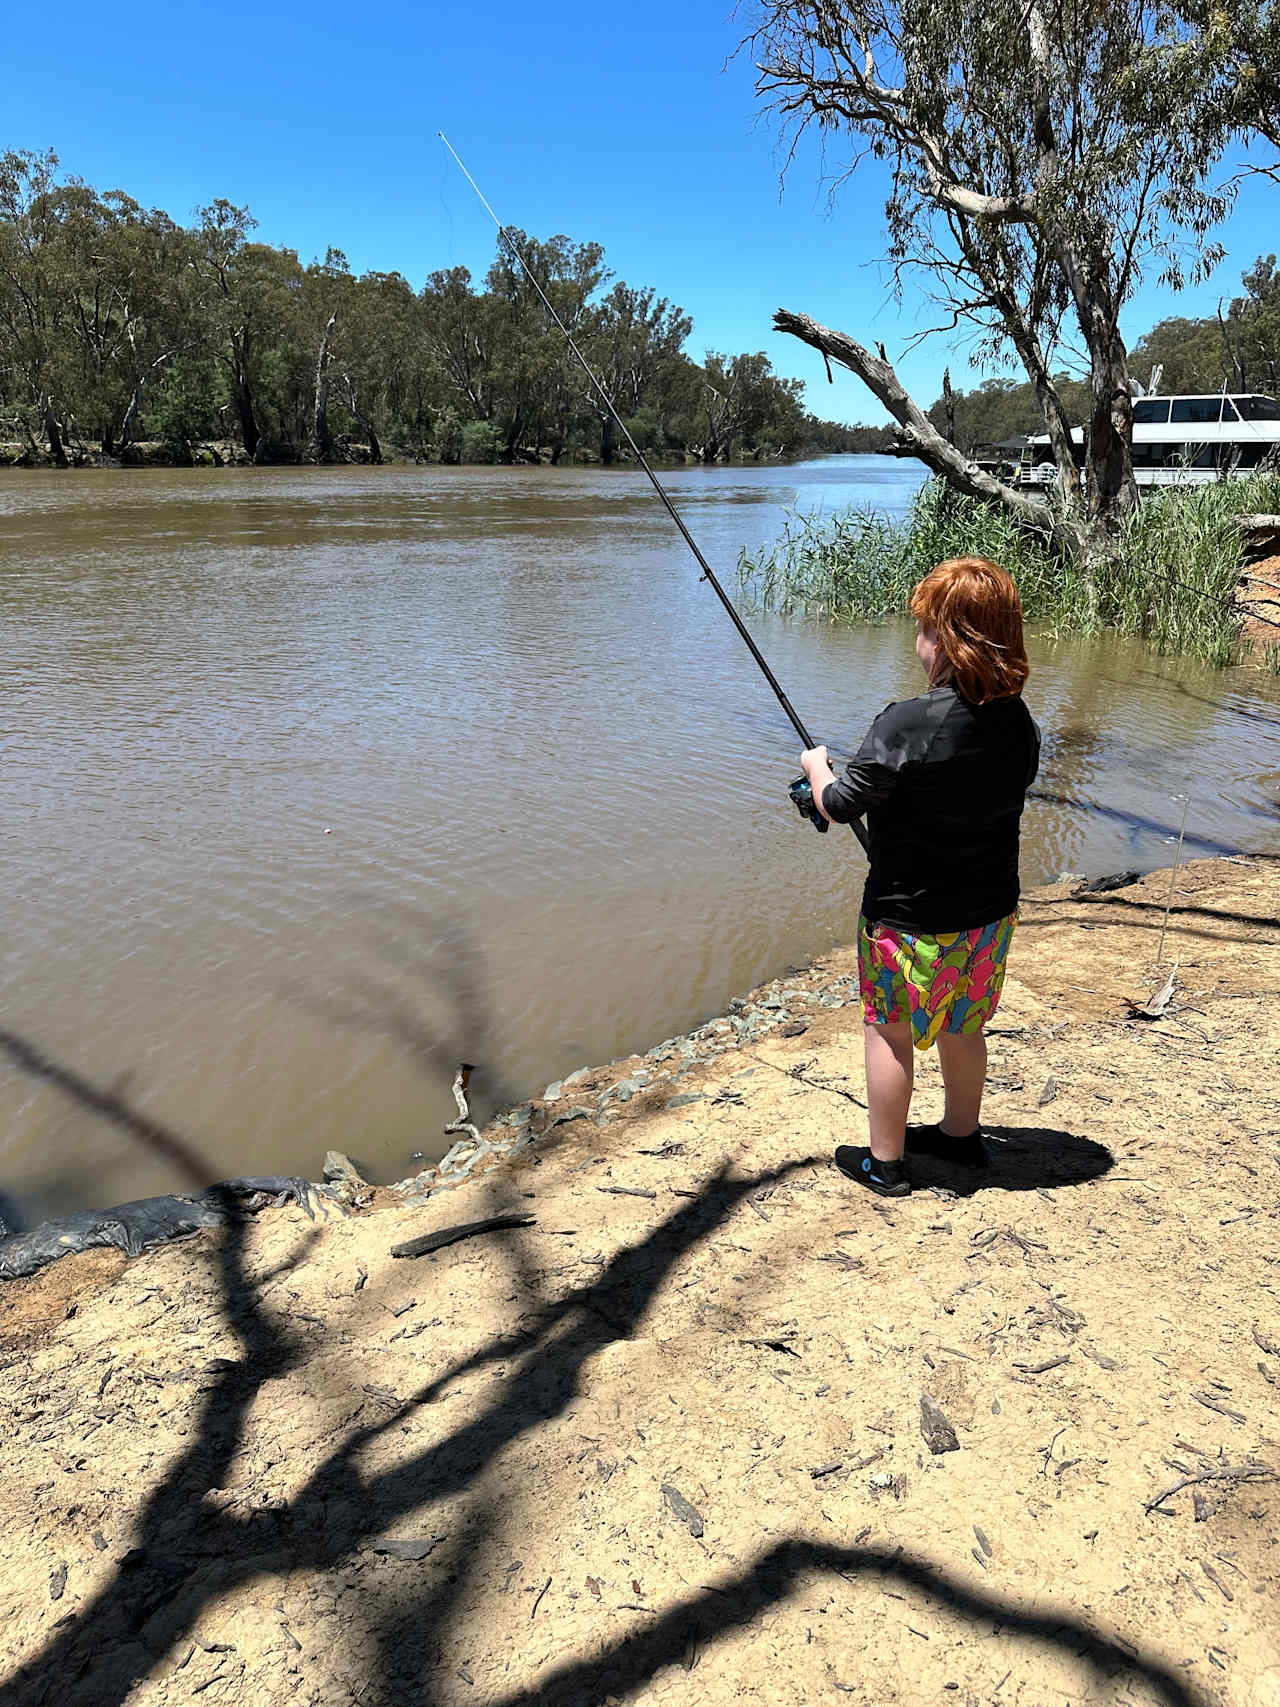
800, 791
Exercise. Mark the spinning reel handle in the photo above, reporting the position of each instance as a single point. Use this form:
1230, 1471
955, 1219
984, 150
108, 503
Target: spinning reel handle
802, 799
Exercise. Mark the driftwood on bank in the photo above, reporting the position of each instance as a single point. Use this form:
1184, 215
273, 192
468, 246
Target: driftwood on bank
450, 1235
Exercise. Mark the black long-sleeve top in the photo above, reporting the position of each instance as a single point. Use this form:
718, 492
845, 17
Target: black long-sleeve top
942, 783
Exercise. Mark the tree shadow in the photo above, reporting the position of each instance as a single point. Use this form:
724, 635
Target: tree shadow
111, 1104
1136, 822
1114, 900
626, 1665
188, 1554
1019, 1158
429, 1000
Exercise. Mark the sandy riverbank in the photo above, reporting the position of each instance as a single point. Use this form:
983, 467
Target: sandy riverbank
665, 1441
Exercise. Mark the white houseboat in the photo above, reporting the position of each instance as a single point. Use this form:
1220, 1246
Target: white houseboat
1180, 441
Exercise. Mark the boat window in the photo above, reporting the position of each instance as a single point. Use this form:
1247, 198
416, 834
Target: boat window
1205, 457
1153, 455
1200, 410
1247, 456
1258, 409
1229, 410
1148, 410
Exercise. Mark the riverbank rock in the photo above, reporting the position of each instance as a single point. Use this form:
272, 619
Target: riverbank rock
276, 1463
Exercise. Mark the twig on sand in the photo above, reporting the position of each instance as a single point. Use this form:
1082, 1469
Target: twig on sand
533, 1610
1219, 1473
1213, 1404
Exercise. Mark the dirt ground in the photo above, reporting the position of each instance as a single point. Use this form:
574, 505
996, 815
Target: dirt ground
1259, 594
665, 1443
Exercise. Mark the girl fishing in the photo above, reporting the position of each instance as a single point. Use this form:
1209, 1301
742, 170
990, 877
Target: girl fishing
942, 780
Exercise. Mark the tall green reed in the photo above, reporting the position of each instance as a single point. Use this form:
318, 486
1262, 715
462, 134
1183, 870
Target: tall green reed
1169, 576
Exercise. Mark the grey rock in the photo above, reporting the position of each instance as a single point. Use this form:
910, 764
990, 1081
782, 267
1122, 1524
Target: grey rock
574, 1077
773, 1002
553, 1090
684, 1099
736, 1004
578, 1113
340, 1169
461, 1153
938, 1434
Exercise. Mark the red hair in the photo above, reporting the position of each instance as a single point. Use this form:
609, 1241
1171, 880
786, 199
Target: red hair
974, 606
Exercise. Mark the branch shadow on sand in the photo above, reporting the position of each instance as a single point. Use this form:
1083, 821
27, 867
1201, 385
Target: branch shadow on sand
189, 1551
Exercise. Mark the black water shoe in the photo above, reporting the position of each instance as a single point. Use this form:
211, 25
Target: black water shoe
886, 1179
965, 1152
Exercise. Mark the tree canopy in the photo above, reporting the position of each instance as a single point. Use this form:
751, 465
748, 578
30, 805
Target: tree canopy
1040, 160
118, 325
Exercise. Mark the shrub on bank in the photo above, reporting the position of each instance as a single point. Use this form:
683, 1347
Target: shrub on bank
1171, 577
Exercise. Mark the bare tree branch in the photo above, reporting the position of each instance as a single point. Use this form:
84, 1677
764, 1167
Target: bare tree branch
924, 439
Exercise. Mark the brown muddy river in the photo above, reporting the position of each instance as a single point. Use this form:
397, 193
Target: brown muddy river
317, 782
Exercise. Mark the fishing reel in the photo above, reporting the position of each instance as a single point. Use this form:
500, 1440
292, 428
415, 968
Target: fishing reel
801, 793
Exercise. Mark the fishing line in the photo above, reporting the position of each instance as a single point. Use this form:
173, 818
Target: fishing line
708, 574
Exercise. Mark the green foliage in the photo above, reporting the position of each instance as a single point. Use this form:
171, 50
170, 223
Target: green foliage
183, 406
1169, 577
481, 442
115, 322
645, 427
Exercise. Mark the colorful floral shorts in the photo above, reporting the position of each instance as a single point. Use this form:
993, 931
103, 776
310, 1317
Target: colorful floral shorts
950, 982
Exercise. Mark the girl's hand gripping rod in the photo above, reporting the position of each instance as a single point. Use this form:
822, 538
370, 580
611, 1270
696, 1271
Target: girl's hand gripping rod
801, 793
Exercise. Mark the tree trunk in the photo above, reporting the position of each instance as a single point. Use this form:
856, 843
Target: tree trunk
1113, 491
135, 402
249, 434
54, 435
321, 446
948, 407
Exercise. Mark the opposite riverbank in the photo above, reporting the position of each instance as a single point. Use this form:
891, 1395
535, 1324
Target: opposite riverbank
686, 1417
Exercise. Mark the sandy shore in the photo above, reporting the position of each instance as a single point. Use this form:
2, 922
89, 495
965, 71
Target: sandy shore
677, 1437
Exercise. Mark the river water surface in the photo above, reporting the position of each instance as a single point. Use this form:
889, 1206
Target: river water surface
316, 782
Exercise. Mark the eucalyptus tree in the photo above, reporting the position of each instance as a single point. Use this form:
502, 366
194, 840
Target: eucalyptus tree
250, 291
739, 396
131, 306
460, 335
1041, 157
543, 393
635, 340
34, 296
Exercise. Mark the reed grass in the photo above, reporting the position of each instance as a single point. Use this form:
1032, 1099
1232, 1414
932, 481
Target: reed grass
1169, 577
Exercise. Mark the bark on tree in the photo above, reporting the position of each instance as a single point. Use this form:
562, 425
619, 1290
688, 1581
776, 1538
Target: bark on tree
948, 407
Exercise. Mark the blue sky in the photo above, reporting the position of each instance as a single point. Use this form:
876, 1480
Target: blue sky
617, 125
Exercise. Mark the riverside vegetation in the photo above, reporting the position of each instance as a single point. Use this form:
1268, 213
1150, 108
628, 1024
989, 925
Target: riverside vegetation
121, 329
1171, 576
